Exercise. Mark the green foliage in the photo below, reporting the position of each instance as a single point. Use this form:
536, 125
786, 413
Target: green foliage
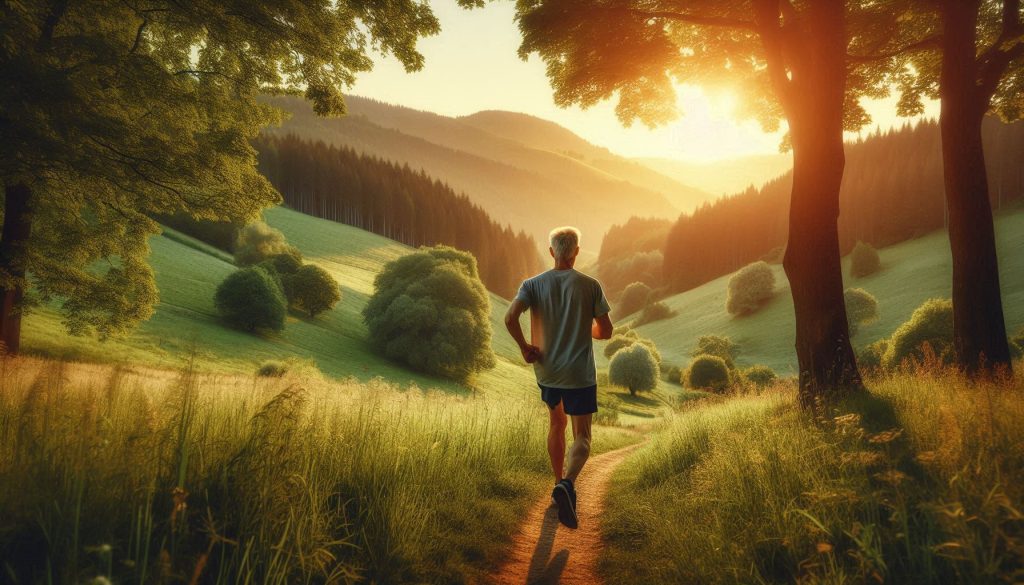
258, 242
621, 341
750, 288
251, 299
717, 345
931, 324
287, 262
864, 260
708, 372
634, 368
219, 234
634, 298
871, 357
430, 311
760, 376
654, 312
312, 289
272, 369
631, 252
861, 308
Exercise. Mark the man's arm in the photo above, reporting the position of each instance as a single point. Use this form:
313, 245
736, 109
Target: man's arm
531, 353
602, 328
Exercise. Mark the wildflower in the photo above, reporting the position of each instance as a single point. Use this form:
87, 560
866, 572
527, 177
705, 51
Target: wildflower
885, 436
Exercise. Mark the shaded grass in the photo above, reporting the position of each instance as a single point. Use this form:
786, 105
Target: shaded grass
918, 481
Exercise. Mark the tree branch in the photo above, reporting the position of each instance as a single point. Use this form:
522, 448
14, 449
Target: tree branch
695, 19
1005, 49
932, 42
53, 16
770, 28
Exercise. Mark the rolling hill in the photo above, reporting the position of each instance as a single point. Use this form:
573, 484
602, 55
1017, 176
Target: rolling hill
530, 188
912, 272
723, 177
185, 321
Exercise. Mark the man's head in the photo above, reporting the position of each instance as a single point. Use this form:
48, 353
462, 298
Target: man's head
565, 245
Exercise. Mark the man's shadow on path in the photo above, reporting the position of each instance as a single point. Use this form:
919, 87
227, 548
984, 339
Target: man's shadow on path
542, 570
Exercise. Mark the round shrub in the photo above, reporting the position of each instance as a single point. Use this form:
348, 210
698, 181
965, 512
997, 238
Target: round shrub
864, 260
708, 372
861, 308
430, 311
654, 312
760, 376
312, 289
871, 358
634, 298
750, 288
272, 369
251, 299
932, 324
258, 242
287, 262
622, 341
674, 374
634, 368
717, 345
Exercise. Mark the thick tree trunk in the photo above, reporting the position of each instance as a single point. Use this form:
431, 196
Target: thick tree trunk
979, 330
13, 240
827, 364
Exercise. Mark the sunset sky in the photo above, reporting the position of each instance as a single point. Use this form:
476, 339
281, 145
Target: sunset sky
472, 65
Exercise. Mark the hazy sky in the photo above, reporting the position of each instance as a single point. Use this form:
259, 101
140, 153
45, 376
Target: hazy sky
472, 65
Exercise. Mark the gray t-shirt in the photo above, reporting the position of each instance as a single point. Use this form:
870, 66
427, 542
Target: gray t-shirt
563, 305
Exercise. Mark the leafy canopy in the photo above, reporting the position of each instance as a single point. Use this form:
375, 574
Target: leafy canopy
113, 112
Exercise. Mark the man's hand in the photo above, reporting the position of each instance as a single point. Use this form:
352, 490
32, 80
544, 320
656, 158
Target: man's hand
531, 353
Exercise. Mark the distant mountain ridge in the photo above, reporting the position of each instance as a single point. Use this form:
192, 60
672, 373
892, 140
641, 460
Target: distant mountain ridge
724, 177
530, 186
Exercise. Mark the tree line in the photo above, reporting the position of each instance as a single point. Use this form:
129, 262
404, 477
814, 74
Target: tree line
394, 201
892, 191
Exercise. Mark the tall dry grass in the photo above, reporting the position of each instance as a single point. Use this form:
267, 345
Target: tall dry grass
143, 476
919, 481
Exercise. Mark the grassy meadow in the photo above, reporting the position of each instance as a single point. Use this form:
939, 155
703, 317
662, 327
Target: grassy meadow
140, 475
920, 480
911, 273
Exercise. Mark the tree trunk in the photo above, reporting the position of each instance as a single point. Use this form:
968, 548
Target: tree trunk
13, 240
979, 330
812, 262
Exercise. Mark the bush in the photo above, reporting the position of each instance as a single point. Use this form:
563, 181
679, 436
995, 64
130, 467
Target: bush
312, 289
654, 312
708, 372
272, 369
717, 345
861, 308
634, 368
258, 242
674, 374
864, 260
932, 324
634, 298
251, 299
287, 262
429, 310
871, 358
621, 341
750, 288
775, 256
760, 376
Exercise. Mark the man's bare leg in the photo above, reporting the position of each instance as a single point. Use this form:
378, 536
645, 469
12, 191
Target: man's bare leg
556, 440
580, 450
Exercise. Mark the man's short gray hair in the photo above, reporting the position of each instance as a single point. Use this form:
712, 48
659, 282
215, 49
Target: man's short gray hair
564, 241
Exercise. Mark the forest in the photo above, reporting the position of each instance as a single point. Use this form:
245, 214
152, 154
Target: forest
408, 206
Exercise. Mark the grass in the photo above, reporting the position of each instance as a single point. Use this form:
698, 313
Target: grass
921, 480
912, 272
186, 324
140, 475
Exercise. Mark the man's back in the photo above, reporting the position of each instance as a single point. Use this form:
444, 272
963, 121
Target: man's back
563, 305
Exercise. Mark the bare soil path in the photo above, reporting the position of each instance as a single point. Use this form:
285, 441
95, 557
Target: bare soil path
544, 552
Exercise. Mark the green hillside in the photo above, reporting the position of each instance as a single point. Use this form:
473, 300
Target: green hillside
185, 320
911, 273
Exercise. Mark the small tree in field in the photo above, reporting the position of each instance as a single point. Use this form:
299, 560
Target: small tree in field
861, 308
717, 345
931, 324
312, 289
634, 368
760, 376
708, 372
654, 312
258, 242
621, 341
864, 260
750, 288
872, 356
251, 299
634, 298
429, 310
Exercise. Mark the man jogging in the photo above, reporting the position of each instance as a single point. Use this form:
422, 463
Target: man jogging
567, 311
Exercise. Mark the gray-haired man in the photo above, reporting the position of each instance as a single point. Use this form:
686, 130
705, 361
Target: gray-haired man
567, 311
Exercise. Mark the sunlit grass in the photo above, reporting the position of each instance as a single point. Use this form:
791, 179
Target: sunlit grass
919, 481
145, 476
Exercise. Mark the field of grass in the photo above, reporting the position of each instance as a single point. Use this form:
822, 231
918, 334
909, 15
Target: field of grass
186, 323
919, 481
912, 272
141, 475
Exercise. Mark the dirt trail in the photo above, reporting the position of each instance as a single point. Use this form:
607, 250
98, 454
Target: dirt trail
544, 552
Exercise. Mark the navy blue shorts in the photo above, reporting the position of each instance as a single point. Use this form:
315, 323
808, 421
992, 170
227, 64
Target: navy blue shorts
576, 401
